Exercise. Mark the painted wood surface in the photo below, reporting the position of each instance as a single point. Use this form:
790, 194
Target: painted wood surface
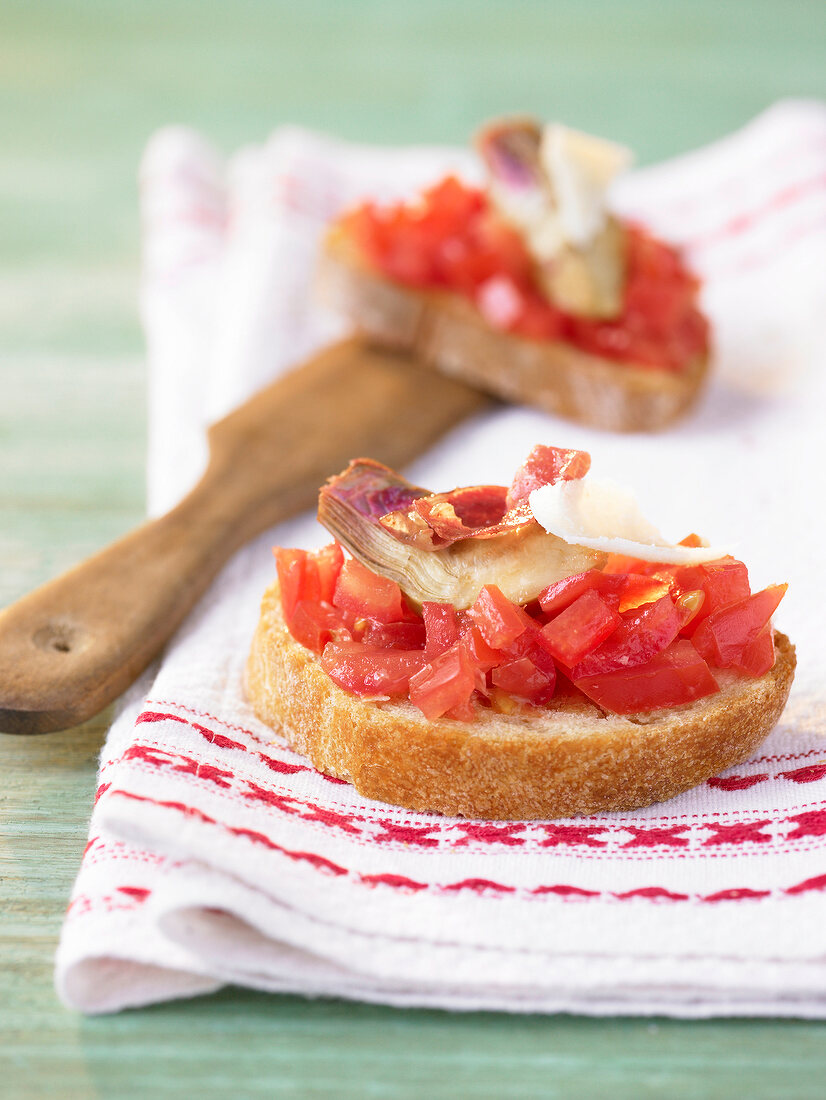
82, 84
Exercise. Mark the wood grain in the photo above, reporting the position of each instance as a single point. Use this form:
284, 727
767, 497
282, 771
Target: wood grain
74, 645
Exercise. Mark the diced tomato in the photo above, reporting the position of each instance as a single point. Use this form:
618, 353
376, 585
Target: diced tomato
545, 466
580, 628
533, 644
675, 675
683, 578
661, 325
724, 582
306, 575
329, 561
368, 670
499, 301
452, 204
402, 635
523, 679
483, 656
727, 582
498, 619
621, 591
539, 319
291, 566
442, 628
638, 637
621, 563
503, 244
365, 593
613, 634
758, 656
452, 238
445, 682
638, 589
462, 712
561, 594
315, 624
723, 638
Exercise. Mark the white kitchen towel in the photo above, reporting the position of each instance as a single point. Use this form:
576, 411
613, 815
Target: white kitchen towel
216, 855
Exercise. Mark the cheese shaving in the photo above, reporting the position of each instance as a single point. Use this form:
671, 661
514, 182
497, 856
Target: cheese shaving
603, 516
580, 169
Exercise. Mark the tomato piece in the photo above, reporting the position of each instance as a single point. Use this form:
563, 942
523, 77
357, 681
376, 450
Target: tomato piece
497, 239
580, 628
727, 582
758, 657
441, 625
315, 624
684, 578
621, 591
499, 301
660, 325
445, 682
291, 566
499, 620
723, 637
561, 594
637, 589
675, 675
523, 679
483, 656
462, 712
724, 582
539, 319
365, 593
533, 644
621, 563
368, 670
545, 466
401, 635
638, 637
328, 561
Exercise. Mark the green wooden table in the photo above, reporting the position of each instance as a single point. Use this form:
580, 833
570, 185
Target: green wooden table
82, 85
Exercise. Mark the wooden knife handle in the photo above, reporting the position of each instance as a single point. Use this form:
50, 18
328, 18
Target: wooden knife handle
72, 646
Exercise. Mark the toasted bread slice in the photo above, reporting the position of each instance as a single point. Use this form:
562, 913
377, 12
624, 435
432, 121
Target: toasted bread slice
447, 332
558, 761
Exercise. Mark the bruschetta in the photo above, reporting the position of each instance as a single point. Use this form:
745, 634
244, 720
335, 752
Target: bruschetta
529, 288
531, 651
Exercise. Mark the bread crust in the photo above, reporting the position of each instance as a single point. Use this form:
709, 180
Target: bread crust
570, 760
448, 333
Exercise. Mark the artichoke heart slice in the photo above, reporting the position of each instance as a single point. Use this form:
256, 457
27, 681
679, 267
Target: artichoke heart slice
549, 183
521, 562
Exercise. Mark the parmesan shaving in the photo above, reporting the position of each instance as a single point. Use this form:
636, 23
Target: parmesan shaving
603, 516
580, 169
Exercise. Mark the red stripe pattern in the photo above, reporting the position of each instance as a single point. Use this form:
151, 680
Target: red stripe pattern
479, 886
600, 837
